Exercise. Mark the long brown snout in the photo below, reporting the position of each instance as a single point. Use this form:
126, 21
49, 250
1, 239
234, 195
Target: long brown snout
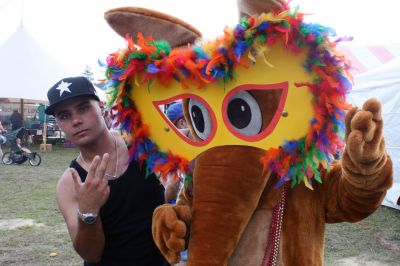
228, 183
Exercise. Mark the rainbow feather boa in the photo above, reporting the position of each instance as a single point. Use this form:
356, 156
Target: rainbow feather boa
295, 161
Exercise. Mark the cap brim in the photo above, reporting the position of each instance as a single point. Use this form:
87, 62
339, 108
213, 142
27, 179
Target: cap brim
50, 109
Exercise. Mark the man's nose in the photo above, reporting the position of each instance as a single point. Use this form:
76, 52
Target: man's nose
76, 120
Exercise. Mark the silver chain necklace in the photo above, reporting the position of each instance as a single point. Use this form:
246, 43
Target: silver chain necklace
109, 177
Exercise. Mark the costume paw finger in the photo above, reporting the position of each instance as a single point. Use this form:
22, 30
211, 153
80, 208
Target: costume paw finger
362, 121
183, 212
355, 144
349, 116
176, 244
172, 257
178, 228
373, 106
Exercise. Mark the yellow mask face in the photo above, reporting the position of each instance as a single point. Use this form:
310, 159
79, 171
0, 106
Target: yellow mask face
262, 107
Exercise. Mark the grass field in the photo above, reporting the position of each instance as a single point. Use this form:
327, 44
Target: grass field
27, 193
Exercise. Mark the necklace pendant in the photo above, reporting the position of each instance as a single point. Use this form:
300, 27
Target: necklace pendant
110, 177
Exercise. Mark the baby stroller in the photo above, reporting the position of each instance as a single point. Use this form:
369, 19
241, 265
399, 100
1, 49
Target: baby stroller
19, 154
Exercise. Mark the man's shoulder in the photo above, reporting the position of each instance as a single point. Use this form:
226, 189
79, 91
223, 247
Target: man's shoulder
65, 179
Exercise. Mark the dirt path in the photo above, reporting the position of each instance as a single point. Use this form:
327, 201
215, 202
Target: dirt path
9, 224
358, 261
393, 247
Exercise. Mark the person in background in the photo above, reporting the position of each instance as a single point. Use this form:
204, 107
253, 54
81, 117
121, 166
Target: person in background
175, 115
107, 202
20, 147
16, 120
3, 139
2, 129
107, 119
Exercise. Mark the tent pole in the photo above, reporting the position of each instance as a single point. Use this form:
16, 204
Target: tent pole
22, 111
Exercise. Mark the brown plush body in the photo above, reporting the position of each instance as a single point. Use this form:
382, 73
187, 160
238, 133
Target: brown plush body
220, 212
225, 216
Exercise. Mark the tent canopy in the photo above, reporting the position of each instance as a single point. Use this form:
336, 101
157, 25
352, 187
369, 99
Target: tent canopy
382, 81
27, 70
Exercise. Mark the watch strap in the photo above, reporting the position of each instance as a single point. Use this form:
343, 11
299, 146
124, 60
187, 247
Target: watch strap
87, 217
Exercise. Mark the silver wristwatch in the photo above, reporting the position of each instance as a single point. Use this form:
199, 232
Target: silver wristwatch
87, 218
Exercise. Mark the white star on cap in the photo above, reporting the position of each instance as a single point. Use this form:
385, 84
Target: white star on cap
63, 87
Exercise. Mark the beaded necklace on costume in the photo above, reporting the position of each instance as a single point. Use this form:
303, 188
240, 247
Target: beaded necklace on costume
109, 177
275, 231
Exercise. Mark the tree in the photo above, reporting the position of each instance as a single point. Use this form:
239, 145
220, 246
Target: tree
88, 73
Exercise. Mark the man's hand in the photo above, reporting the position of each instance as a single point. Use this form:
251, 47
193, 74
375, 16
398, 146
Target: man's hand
94, 192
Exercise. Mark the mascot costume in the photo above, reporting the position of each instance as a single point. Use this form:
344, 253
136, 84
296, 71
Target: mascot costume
276, 151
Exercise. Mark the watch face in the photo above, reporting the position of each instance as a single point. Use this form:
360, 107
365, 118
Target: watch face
89, 220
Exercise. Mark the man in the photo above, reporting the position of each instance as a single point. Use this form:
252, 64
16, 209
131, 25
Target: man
107, 203
175, 115
16, 120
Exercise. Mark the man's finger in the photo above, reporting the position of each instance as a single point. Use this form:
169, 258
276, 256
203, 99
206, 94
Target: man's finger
76, 178
101, 170
92, 168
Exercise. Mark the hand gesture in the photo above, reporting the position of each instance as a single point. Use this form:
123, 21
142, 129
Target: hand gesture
169, 230
364, 129
94, 192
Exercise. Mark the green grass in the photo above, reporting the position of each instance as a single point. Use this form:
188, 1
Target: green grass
374, 239
28, 192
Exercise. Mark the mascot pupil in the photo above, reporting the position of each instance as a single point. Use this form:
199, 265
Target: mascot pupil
266, 107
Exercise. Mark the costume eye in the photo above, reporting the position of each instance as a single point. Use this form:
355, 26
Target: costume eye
200, 117
244, 114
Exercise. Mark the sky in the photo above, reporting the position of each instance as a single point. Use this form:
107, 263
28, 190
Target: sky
75, 33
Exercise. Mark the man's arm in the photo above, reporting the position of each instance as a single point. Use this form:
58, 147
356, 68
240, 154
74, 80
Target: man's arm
88, 239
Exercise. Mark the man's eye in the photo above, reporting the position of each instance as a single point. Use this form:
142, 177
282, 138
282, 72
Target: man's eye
83, 109
63, 117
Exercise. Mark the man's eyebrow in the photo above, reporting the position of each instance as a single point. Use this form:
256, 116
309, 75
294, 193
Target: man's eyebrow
82, 103
60, 113
77, 105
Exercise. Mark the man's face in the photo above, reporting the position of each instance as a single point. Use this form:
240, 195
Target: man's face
181, 123
80, 119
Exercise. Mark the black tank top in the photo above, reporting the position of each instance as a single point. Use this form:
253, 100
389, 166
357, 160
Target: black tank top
126, 218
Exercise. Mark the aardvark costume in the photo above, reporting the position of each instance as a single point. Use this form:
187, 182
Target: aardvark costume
276, 150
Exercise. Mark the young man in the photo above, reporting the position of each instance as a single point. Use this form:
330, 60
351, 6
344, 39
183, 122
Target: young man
107, 203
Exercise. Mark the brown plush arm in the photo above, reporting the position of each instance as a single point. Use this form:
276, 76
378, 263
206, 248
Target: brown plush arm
170, 227
357, 185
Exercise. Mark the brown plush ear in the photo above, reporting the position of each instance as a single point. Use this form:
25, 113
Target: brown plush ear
132, 20
253, 7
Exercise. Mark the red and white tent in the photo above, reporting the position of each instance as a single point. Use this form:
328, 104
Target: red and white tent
377, 74
368, 58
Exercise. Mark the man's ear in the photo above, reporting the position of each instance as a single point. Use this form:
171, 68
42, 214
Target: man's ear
132, 20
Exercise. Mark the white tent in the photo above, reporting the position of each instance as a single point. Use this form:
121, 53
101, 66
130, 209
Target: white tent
26, 70
383, 83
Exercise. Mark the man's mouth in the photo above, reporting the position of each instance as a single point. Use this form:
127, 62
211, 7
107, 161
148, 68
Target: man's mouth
80, 132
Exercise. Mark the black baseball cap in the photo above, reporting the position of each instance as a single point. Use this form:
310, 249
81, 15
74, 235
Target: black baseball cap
68, 88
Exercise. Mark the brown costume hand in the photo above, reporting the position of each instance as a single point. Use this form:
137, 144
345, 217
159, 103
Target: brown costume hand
364, 128
169, 230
